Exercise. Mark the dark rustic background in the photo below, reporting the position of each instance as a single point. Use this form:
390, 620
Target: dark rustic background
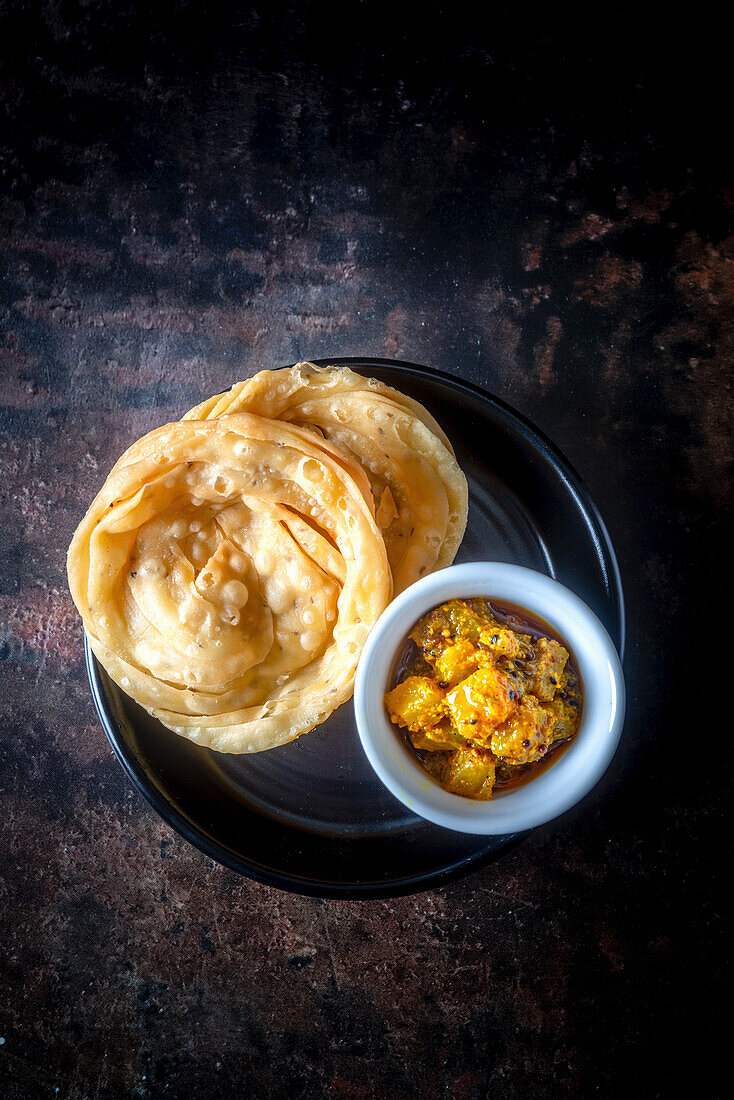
544, 208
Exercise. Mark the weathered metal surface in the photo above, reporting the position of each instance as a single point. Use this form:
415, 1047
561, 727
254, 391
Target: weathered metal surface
184, 200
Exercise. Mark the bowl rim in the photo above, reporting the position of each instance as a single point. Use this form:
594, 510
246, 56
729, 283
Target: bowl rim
582, 764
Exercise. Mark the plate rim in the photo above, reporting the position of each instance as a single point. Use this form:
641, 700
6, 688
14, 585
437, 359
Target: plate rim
293, 884
406, 885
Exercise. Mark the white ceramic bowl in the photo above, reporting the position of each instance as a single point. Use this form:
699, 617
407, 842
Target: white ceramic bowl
574, 773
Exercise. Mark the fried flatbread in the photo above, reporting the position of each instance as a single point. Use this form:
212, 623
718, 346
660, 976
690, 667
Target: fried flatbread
228, 573
419, 491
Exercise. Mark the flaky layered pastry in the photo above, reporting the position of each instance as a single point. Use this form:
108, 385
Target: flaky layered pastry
228, 573
230, 568
419, 491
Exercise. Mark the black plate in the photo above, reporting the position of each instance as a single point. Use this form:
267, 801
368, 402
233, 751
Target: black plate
311, 816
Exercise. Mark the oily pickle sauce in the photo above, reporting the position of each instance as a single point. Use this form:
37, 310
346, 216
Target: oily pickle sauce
526, 622
410, 662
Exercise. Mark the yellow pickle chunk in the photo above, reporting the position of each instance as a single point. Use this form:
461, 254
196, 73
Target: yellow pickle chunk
469, 772
436, 738
457, 662
417, 703
502, 643
481, 702
550, 661
525, 736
